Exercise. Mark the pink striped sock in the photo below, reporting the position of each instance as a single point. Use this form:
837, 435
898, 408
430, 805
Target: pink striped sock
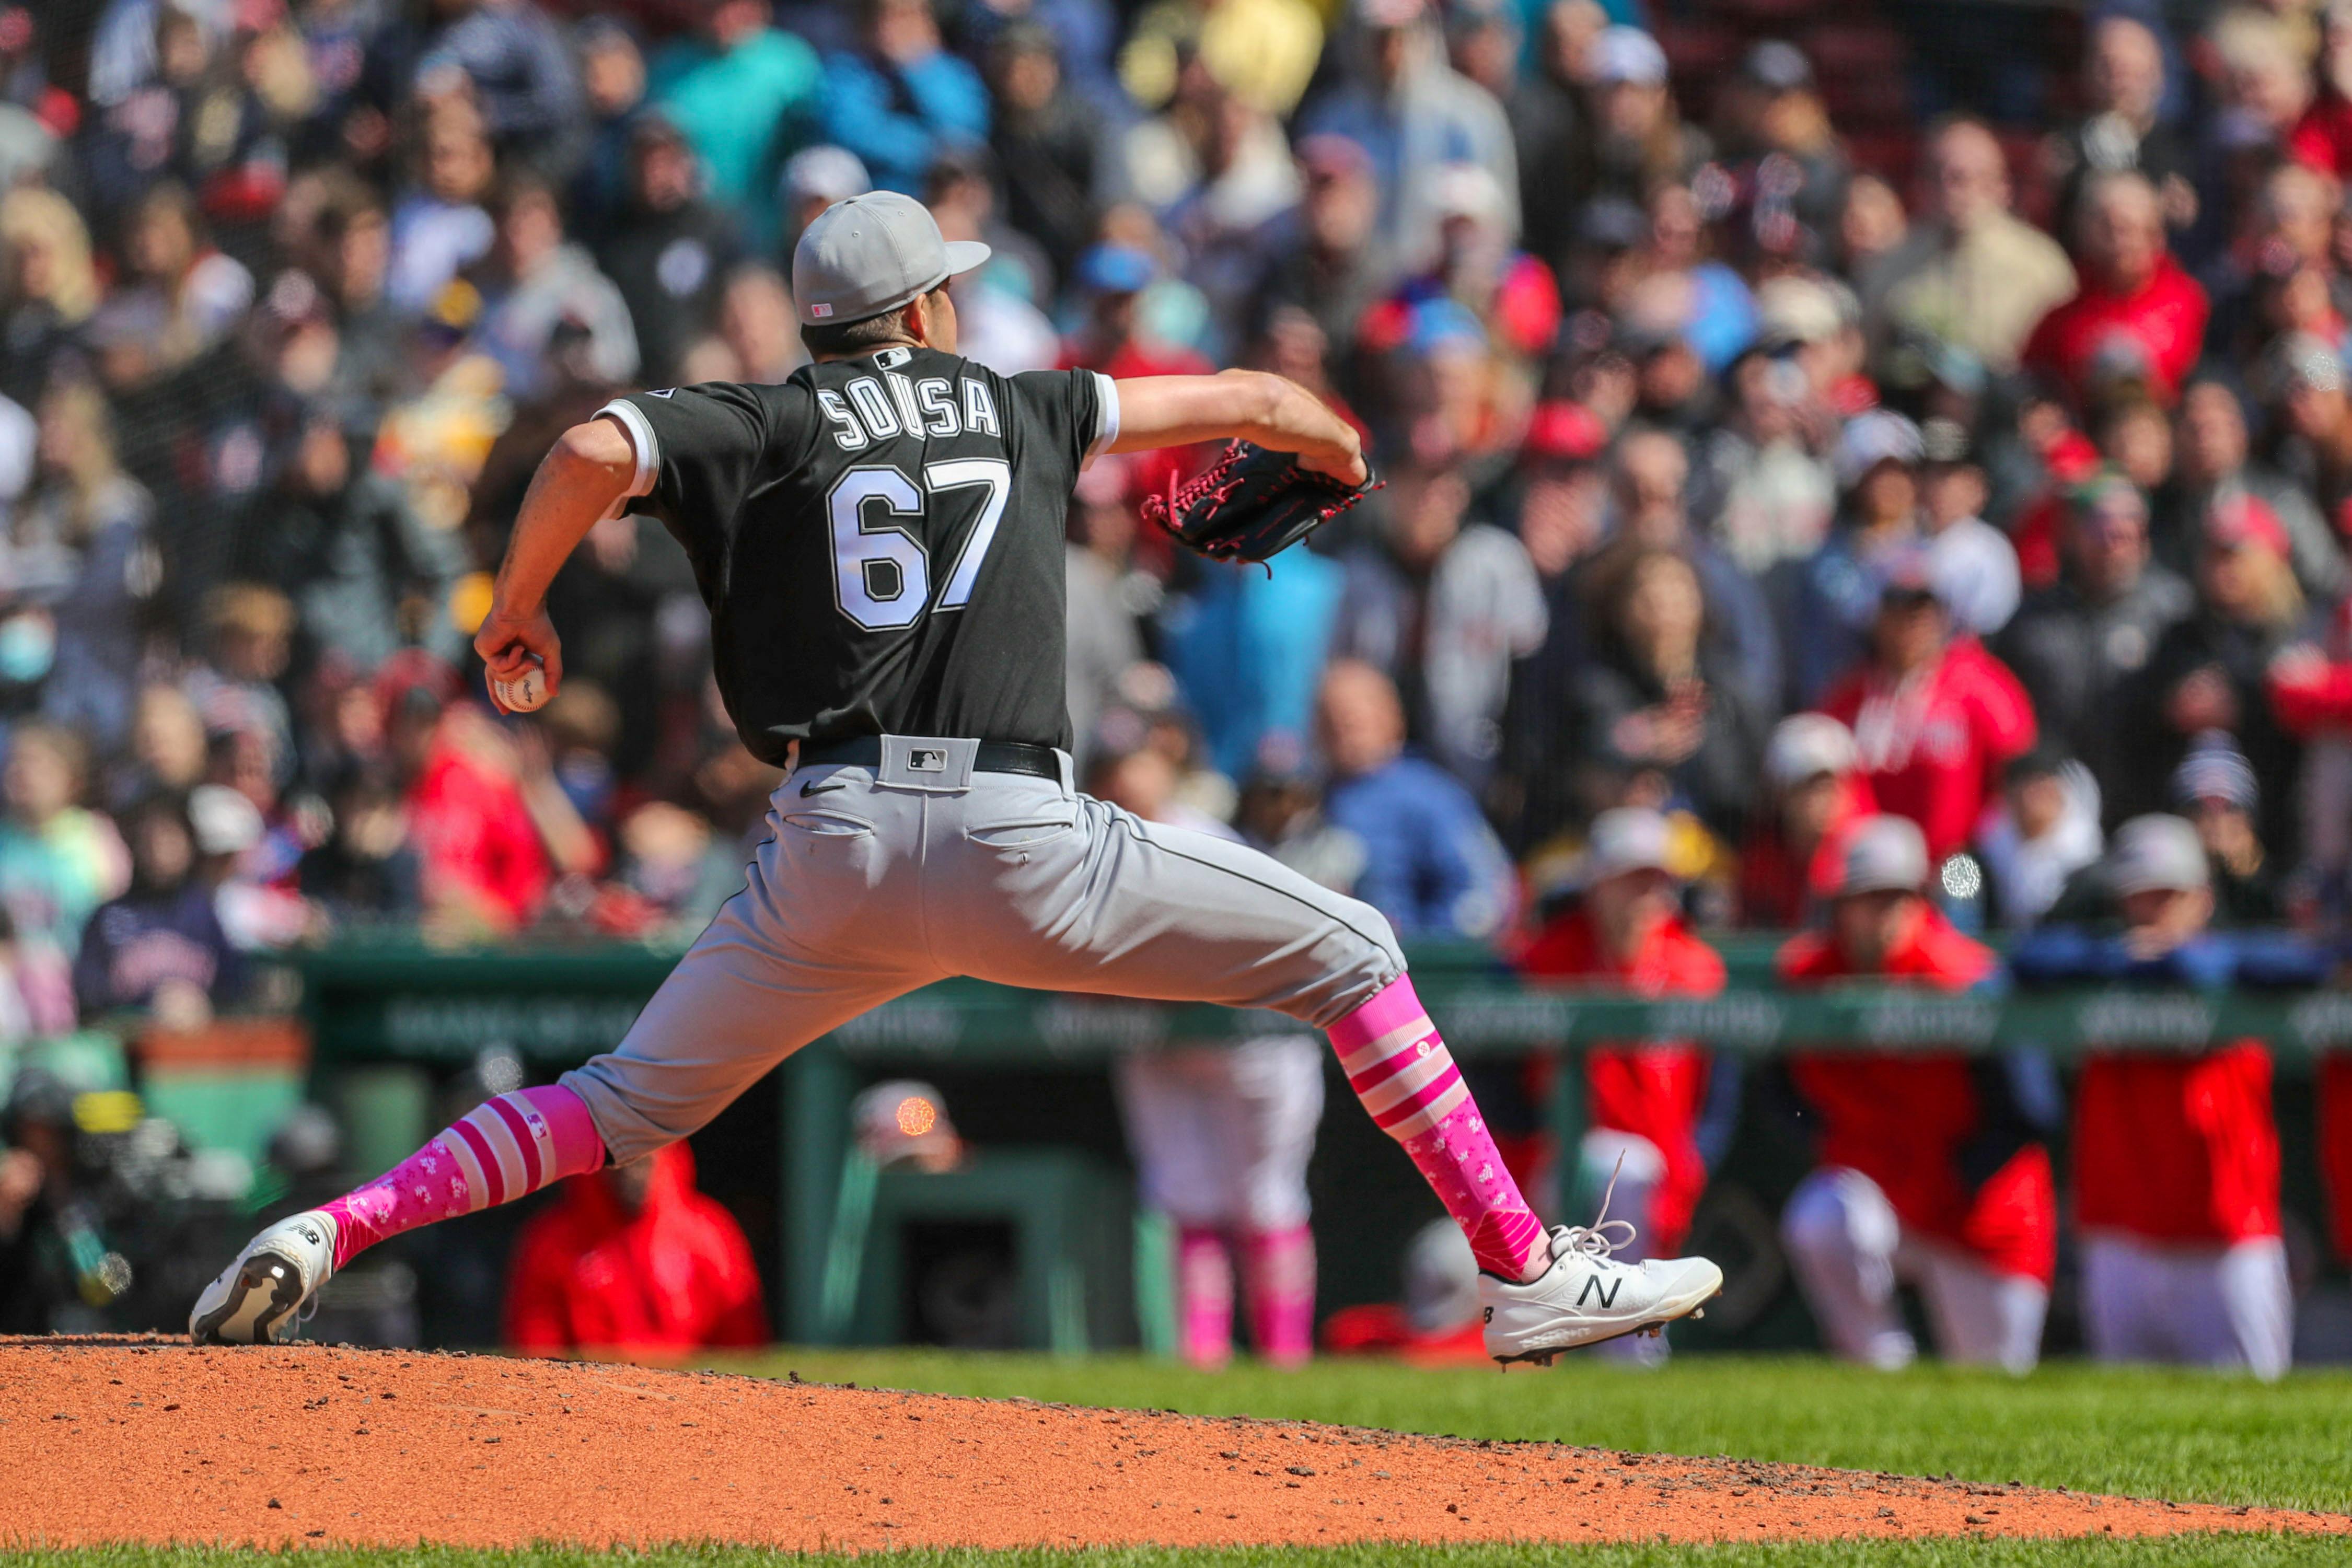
503, 1148
1204, 1297
1278, 1277
1400, 1070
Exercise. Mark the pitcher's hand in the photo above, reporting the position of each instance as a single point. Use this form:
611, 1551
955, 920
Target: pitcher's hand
506, 643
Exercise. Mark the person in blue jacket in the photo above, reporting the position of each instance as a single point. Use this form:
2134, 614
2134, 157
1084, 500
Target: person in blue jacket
1432, 865
899, 97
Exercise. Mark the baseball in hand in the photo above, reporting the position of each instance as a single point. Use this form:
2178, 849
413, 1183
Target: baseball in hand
525, 693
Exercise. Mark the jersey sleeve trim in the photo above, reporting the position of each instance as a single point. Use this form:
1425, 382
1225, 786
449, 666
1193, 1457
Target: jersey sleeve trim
642, 441
1105, 417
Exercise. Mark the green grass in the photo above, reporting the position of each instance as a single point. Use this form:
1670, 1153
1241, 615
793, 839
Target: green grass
2177, 1551
2186, 1435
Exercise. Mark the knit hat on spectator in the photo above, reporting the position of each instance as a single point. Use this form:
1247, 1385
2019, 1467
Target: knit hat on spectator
1627, 55
1805, 746
1627, 839
2239, 520
2215, 769
1872, 438
1881, 854
2157, 851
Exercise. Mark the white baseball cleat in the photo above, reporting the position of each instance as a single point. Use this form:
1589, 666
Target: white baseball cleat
257, 1299
1587, 1296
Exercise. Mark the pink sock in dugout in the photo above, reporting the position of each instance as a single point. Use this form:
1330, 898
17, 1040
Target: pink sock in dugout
1279, 1279
1399, 1068
504, 1147
1204, 1297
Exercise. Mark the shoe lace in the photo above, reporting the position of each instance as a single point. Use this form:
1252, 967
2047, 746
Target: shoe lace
1599, 1239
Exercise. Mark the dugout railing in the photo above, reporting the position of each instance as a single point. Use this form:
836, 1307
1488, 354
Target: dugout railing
393, 998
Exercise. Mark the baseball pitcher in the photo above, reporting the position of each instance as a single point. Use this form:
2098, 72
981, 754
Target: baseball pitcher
880, 542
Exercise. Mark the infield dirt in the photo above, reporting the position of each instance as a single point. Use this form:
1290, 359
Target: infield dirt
151, 1440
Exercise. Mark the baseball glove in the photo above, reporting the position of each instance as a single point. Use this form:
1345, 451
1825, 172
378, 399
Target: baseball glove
1251, 503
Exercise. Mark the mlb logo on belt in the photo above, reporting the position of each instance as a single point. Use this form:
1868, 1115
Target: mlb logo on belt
925, 759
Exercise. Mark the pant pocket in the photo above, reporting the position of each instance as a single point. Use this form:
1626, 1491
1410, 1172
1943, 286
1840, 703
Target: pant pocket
828, 825
1025, 830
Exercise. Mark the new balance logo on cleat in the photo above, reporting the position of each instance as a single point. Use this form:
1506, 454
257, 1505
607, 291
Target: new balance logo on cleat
1607, 1293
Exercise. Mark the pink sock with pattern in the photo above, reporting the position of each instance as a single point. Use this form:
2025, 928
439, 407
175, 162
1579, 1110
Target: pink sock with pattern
1204, 1297
503, 1148
1399, 1068
1278, 1278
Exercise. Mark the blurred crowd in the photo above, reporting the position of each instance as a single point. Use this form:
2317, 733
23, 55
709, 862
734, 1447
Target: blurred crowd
1794, 416
1984, 392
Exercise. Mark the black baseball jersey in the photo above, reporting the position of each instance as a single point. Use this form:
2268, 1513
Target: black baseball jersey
879, 540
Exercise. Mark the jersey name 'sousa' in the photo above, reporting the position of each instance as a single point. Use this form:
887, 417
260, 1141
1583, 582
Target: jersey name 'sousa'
880, 541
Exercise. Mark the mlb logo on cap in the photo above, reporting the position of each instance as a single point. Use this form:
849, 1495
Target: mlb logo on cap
820, 310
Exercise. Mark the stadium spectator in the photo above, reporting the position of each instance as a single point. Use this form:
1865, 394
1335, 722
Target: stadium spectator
1974, 561
1934, 718
746, 95
1448, 599
1929, 1175
2215, 787
2210, 671
2081, 646
672, 252
1415, 113
2213, 474
2045, 830
1658, 697
158, 948
633, 1261
2129, 109
2175, 1156
1878, 458
901, 98
1970, 274
1432, 864
2137, 318
1813, 791
58, 859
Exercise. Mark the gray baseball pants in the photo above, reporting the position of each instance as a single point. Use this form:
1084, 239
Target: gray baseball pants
876, 881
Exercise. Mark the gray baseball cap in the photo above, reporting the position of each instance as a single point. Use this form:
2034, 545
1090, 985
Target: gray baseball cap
871, 253
2158, 850
1883, 854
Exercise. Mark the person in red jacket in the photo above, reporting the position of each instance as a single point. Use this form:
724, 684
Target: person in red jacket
2137, 318
1934, 718
1928, 1174
633, 1259
2175, 1156
1642, 1100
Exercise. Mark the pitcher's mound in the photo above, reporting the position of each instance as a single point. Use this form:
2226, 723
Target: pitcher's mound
128, 1440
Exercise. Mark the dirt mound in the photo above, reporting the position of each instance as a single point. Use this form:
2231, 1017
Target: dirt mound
114, 1440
